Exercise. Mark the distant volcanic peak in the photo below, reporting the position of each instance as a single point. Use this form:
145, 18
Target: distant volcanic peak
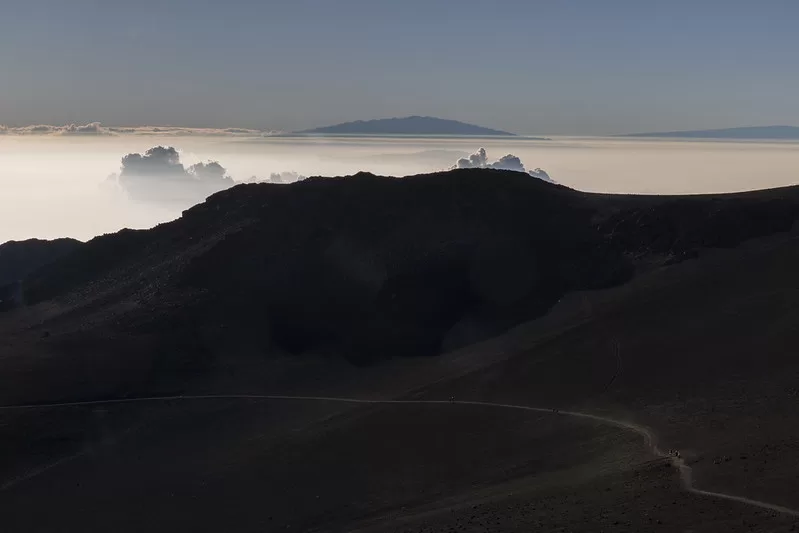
413, 125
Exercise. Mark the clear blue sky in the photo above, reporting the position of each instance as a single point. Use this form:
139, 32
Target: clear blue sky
555, 66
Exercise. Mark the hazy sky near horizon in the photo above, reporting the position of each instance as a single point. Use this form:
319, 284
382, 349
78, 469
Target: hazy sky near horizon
532, 67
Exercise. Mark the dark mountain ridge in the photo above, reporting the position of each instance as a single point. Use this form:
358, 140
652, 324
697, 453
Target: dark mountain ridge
364, 264
370, 267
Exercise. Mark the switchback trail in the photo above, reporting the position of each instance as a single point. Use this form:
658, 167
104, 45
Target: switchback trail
686, 475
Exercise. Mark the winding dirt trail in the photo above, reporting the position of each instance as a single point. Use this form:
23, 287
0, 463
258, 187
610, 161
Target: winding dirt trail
686, 473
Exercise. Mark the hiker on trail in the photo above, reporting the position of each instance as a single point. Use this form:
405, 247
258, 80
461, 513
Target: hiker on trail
452, 399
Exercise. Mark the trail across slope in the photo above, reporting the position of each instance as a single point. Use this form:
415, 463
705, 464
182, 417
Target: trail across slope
686, 474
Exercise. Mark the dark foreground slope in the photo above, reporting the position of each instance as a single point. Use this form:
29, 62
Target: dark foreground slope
696, 351
699, 350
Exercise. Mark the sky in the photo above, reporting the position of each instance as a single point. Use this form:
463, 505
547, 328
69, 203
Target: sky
531, 67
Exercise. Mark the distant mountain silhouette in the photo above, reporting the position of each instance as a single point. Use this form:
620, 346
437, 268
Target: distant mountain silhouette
407, 126
748, 132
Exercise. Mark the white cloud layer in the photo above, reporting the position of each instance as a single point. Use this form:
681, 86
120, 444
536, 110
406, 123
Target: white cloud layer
96, 128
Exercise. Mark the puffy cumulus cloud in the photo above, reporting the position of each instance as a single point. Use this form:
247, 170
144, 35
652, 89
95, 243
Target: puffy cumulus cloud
159, 176
476, 160
509, 162
210, 171
541, 174
158, 161
479, 159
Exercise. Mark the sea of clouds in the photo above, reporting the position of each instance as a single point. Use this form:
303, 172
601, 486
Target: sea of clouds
84, 180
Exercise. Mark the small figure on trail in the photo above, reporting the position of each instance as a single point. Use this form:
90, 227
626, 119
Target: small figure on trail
452, 399
555, 411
